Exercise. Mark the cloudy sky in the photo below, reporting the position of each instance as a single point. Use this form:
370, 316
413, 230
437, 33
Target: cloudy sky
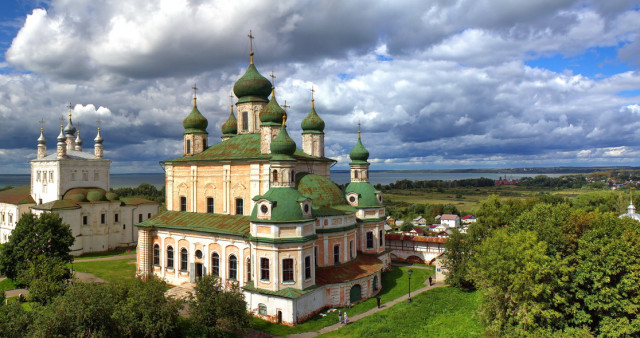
435, 84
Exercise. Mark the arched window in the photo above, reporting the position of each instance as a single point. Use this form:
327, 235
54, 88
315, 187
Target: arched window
233, 267
336, 254
245, 120
355, 174
215, 264
170, 257
369, 240
239, 206
156, 254
275, 176
184, 259
188, 146
381, 238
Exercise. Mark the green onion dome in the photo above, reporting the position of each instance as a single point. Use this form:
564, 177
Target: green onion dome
230, 127
359, 154
195, 122
272, 113
252, 86
312, 123
282, 146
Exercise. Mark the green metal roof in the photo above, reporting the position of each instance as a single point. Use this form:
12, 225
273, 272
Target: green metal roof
367, 194
282, 146
252, 86
290, 293
18, 195
359, 154
243, 147
195, 122
285, 206
272, 112
230, 126
136, 201
57, 205
312, 123
328, 199
211, 223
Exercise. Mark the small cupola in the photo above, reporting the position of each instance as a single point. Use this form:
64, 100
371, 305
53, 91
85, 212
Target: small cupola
272, 113
230, 126
61, 149
283, 147
359, 154
195, 129
42, 144
312, 123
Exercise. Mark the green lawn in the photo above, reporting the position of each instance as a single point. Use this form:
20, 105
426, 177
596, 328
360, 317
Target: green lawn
7, 284
441, 312
115, 252
395, 283
111, 270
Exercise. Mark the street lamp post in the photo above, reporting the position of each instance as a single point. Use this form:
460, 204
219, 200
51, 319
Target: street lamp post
410, 272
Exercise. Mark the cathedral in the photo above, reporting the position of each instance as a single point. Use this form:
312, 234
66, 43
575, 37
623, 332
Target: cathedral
75, 184
261, 213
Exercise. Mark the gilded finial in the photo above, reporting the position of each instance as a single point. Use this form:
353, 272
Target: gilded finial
195, 90
285, 105
99, 122
251, 37
61, 121
358, 129
41, 125
312, 99
70, 109
231, 102
284, 119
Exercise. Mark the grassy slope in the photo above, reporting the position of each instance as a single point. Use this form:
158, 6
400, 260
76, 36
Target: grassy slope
441, 312
394, 284
110, 271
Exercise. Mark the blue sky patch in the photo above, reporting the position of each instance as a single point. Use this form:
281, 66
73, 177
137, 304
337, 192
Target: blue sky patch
629, 93
595, 63
381, 57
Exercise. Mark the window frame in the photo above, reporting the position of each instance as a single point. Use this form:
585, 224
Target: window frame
369, 239
210, 205
184, 260
307, 267
336, 254
156, 254
288, 271
264, 269
183, 203
233, 267
215, 264
170, 261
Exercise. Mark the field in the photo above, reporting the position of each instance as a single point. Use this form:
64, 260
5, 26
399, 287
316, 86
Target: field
394, 284
469, 199
441, 312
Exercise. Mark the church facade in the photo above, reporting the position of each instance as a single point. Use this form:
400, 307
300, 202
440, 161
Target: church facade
261, 213
75, 184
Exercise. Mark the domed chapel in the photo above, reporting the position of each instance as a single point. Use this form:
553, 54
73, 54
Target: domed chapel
259, 212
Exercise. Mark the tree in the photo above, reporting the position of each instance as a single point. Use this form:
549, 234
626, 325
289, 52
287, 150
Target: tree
14, 320
406, 226
45, 277
218, 312
34, 237
83, 311
459, 249
144, 311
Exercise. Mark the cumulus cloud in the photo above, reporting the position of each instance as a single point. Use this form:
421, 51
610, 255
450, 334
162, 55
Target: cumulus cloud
432, 84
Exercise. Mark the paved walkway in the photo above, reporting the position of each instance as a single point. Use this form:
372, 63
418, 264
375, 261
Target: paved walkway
368, 313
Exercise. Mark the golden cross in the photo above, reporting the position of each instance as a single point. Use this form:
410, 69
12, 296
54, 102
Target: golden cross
358, 128
195, 89
312, 91
41, 124
61, 121
273, 79
99, 122
231, 100
285, 105
251, 37
70, 108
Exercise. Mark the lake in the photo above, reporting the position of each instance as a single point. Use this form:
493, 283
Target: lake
338, 176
